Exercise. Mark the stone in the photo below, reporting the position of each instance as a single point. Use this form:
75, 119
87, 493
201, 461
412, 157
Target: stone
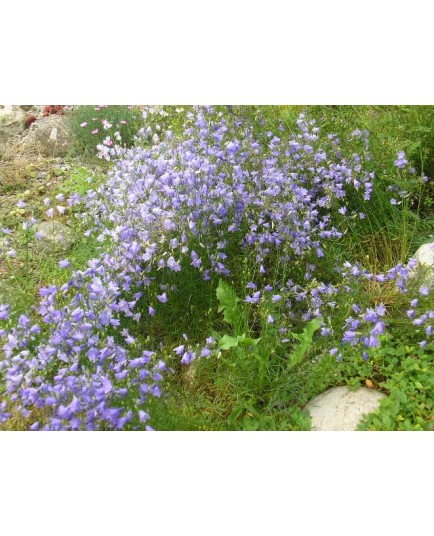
54, 236
53, 134
340, 409
424, 271
47, 137
12, 121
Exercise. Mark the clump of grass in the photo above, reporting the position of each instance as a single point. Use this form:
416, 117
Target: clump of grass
91, 125
14, 177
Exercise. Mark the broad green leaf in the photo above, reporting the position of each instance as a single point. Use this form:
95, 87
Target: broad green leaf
228, 301
247, 341
305, 341
227, 342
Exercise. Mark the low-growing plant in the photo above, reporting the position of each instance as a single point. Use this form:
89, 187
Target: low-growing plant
91, 125
406, 374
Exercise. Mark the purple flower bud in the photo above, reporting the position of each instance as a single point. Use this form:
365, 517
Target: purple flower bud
4, 312
64, 263
162, 298
143, 416
380, 309
378, 328
424, 291
401, 160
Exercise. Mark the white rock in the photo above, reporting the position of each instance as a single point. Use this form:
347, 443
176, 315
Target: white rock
340, 409
53, 134
424, 270
425, 254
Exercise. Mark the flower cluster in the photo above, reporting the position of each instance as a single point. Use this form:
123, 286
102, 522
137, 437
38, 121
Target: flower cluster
87, 378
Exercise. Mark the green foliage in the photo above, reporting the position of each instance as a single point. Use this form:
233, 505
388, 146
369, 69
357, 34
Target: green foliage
126, 120
227, 341
81, 179
304, 342
409, 383
252, 376
229, 305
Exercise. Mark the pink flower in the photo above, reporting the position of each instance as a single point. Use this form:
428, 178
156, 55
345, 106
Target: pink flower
95, 131
84, 124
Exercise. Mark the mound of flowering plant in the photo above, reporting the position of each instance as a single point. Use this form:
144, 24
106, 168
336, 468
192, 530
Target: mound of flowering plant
258, 213
90, 125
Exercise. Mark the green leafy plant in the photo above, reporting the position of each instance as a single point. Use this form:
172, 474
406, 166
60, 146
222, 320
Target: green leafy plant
305, 340
229, 306
409, 383
91, 125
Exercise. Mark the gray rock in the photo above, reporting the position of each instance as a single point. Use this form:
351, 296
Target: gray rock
424, 271
12, 121
47, 137
340, 409
54, 237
